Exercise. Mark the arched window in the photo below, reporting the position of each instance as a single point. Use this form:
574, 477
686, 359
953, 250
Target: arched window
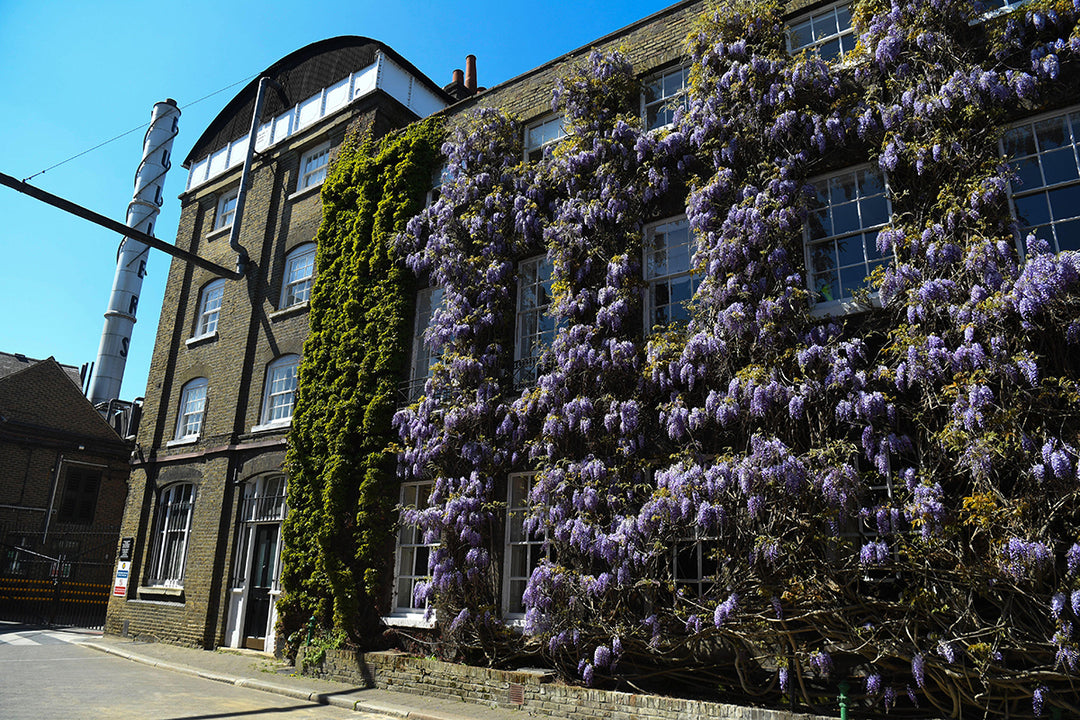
210, 307
171, 530
189, 417
279, 394
299, 271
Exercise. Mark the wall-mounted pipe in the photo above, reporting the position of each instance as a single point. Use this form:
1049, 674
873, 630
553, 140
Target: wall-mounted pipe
245, 177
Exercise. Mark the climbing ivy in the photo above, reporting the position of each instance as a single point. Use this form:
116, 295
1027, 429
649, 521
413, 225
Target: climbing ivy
342, 484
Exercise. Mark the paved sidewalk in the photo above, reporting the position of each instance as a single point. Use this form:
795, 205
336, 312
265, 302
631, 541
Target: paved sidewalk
261, 672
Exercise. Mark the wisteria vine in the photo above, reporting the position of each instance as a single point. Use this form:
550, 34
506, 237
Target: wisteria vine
887, 497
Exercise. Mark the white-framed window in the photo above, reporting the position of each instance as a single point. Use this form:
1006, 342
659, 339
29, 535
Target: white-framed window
535, 325
993, 7
846, 214
524, 550
226, 209
279, 394
210, 307
669, 251
412, 552
313, 166
170, 539
192, 410
695, 564
1044, 155
427, 301
299, 273
661, 95
827, 32
439, 177
541, 134
263, 501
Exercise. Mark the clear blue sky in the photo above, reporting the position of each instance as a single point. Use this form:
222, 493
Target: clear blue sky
75, 74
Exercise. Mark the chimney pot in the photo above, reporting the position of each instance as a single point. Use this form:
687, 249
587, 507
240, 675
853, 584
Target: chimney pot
470, 73
458, 78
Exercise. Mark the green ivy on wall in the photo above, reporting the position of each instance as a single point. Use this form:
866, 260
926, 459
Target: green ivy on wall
342, 484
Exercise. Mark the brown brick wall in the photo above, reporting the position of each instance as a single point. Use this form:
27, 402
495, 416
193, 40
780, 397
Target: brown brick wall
542, 696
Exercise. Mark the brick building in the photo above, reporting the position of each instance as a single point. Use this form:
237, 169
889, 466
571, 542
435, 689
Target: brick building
207, 484
207, 487
63, 484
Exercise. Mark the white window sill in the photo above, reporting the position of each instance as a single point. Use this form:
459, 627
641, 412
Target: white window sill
178, 442
291, 310
200, 339
169, 590
840, 308
274, 425
219, 232
410, 620
304, 192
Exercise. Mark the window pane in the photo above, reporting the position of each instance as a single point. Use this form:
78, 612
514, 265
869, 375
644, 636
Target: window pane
1059, 166
1032, 210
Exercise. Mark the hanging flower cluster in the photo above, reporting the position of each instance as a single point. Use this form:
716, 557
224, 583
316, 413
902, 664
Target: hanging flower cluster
763, 494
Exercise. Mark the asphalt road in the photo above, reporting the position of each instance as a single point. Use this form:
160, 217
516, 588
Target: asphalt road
46, 675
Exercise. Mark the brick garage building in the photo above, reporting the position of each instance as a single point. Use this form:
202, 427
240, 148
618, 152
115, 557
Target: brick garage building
63, 484
208, 487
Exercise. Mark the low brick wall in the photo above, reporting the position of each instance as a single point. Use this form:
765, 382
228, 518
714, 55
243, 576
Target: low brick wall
534, 692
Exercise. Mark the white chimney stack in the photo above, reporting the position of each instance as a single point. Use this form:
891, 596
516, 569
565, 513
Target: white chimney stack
131, 263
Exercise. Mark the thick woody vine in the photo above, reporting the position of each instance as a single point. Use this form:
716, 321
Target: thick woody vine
887, 498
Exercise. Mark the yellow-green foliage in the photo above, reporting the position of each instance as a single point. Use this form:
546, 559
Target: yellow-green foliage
342, 486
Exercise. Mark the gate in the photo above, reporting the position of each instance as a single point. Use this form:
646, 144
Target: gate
63, 579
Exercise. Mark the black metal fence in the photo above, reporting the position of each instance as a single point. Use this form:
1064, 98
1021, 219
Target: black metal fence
61, 578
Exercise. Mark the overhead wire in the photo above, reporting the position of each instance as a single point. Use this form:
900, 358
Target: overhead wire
135, 129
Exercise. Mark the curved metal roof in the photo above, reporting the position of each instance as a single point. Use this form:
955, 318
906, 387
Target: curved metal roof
301, 74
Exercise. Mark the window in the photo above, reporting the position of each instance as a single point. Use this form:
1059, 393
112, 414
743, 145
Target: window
439, 177
299, 270
696, 565
209, 308
535, 327
16, 562
427, 301
192, 409
313, 167
540, 135
662, 95
171, 535
1046, 188
413, 552
80, 495
280, 394
669, 248
523, 549
827, 33
226, 209
263, 501
845, 215
990, 6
